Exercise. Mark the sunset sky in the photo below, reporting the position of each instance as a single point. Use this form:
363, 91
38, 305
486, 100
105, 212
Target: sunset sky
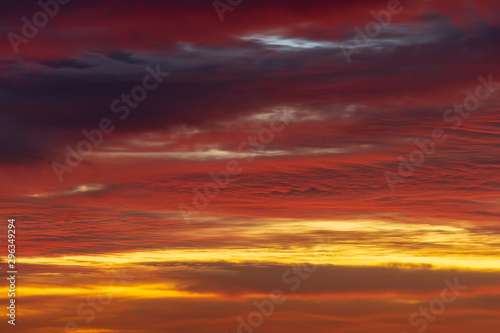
371, 185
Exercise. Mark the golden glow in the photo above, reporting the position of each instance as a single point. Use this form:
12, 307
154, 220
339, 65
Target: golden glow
351, 243
129, 291
351, 258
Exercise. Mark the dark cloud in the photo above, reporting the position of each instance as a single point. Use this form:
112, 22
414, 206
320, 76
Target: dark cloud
71, 63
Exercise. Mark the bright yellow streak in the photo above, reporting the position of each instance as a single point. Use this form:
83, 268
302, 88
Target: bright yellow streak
132, 291
350, 243
366, 257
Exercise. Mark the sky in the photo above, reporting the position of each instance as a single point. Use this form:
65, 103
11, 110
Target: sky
251, 166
